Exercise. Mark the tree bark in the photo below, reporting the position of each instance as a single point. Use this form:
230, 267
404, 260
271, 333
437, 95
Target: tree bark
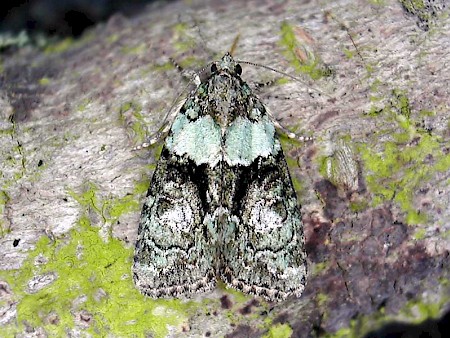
372, 91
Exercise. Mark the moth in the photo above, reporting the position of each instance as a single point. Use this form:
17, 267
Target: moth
221, 204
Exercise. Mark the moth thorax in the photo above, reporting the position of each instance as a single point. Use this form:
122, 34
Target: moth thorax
223, 99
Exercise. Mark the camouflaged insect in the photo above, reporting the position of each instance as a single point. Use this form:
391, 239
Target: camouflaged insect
221, 202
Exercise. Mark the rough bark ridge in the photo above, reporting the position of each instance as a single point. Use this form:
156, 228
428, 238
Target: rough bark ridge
374, 184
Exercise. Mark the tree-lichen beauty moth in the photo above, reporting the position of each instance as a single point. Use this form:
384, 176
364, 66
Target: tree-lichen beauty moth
221, 203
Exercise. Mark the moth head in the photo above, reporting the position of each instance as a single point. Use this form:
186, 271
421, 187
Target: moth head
227, 65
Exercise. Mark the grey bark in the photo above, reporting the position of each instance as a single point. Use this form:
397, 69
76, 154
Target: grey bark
64, 125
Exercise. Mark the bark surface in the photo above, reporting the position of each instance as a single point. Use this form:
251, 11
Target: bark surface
373, 185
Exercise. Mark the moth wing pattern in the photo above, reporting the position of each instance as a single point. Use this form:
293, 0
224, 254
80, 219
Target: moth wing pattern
265, 230
172, 257
221, 203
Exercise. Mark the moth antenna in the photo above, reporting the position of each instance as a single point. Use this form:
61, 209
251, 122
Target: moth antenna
257, 85
343, 26
284, 74
191, 75
177, 65
277, 125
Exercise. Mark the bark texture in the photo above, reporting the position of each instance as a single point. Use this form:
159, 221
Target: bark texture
373, 185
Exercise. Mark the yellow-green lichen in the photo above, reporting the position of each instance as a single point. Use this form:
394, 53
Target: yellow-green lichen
374, 86
131, 111
7, 130
191, 62
414, 312
298, 185
282, 81
112, 208
112, 38
378, 2
398, 167
279, 331
116, 207
298, 50
163, 67
4, 198
360, 326
358, 205
59, 46
93, 278
44, 81
420, 234
321, 299
344, 332
238, 296
318, 268
292, 163
182, 40
424, 12
83, 104
13, 158
349, 54
134, 50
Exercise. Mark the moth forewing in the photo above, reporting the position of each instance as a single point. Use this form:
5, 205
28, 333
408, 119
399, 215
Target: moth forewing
221, 203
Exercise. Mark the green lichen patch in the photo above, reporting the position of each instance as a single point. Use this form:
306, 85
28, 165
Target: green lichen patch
322, 299
130, 115
163, 67
93, 290
279, 331
134, 50
318, 268
413, 312
298, 49
349, 53
397, 167
287, 144
299, 187
358, 205
420, 234
183, 41
4, 199
14, 166
425, 11
59, 46
113, 38
378, 2
416, 311
238, 296
44, 81
83, 104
